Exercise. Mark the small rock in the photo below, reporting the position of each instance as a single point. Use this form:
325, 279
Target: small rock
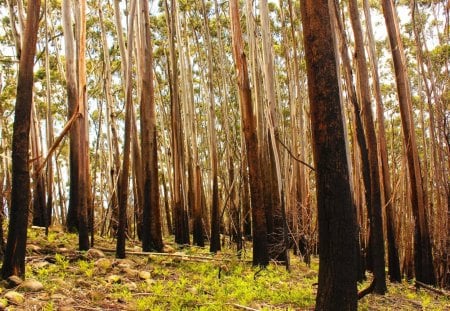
130, 272
124, 263
94, 253
14, 280
103, 264
32, 286
40, 264
15, 298
114, 279
144, 275
131, 286
193, 290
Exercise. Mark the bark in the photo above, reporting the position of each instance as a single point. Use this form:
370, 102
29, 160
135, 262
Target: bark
14, 259
83, 173
124, 176
179, 211
151, 224
215, 209
387, 200
72, 99
376, 220
259, 227
336, 217
423, 259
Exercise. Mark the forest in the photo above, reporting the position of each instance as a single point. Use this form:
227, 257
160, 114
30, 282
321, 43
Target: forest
252, 155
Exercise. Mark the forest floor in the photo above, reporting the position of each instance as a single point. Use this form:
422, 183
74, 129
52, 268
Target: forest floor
190, 278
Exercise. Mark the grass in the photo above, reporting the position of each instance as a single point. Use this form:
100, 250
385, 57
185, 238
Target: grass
72, 280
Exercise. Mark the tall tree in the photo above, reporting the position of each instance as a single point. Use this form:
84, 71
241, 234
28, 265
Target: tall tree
179, 211
151, 216
215, 209
83, 168
386, 189
337, 223
72, 99
423, 258
14, 259
124, 176
376, 220
259, 227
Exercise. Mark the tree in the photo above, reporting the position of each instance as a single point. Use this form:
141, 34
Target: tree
376, 220
386, 189
14, 259
336, 215
259, 227
423, 258
122, 185
151, 218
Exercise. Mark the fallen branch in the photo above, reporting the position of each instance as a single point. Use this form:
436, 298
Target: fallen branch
431, 288
177, 255
243, 307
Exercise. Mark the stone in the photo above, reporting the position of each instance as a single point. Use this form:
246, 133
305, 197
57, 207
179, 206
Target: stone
94, 253
103, 264
144, 275
31, 286
14, 281
15, 298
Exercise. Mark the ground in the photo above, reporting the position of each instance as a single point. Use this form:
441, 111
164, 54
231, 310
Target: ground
188, 278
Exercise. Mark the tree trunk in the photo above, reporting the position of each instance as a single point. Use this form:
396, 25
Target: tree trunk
151, 218
14, 259
179, 211
260, 251
376, 220
83, 173
72, 99
337, 224
124, 176
392, 244
423, 259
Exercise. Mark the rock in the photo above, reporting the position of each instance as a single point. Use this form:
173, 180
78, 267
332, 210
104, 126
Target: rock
15, 298
103, 264
124, 263
14, 281
94, 253
114, 279
131, 286
40, 264
144, 275
131, 273
31, 286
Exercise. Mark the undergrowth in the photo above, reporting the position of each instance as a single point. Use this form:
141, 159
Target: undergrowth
194, 279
